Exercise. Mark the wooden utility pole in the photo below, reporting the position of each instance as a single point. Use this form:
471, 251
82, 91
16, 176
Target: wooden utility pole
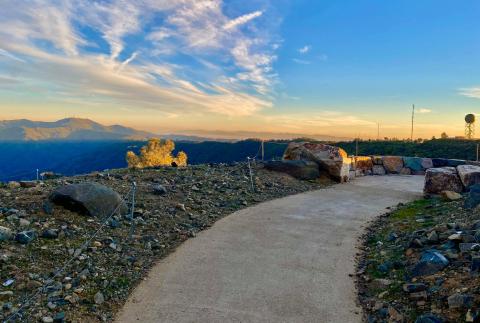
413, 117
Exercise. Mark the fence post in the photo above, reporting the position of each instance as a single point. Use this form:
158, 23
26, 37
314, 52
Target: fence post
132, 210
250, 172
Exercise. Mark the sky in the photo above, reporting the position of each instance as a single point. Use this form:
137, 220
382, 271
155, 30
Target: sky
342, 68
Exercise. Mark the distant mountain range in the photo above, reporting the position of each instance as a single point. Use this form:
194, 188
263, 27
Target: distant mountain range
66, 129
77, 129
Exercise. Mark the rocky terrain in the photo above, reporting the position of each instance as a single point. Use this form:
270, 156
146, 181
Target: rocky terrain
421, 262
61, 265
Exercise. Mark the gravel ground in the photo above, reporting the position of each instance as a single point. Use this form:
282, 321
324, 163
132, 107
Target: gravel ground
395, 285
96, 283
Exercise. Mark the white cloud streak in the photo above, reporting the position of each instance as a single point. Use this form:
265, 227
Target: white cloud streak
48, 36
424, 111
10, 55
242, 20
471, 92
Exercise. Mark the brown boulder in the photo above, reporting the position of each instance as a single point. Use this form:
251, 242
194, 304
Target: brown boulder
393, 164
377, 160
469, 174
442, 179
333, 160
363, 163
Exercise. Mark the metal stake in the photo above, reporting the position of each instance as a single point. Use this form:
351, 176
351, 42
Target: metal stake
132, 210
250, 172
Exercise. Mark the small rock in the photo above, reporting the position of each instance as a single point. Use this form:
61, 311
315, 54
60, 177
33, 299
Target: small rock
25, 237
471, 316
23, 223
413, 288
428, 318
473, 198
451, 195
455, 237
47, 319
432, 237
99, 298
5, 234
430, 262
394, 314
460, 301
50, 234
159, 189
475, 266
418, 296
181, 207
59, 317
467, 247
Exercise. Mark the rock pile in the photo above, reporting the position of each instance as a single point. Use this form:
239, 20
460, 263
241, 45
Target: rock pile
441, 174
421, 263
37, 235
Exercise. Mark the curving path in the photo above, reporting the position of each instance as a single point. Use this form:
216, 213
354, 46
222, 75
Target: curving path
286, 260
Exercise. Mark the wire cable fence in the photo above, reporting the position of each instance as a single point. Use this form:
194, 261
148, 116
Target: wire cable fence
128, 197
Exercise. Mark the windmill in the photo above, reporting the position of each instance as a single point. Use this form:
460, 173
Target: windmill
469, 126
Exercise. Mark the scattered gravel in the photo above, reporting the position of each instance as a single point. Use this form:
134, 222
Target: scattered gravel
172, 205
421, 263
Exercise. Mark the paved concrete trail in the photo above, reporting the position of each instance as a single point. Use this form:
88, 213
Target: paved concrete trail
286, 260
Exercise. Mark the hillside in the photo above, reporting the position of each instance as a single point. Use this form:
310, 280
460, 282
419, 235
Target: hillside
66, 129
74, 157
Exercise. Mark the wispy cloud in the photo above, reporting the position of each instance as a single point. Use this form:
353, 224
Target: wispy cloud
305, 49
242, 20
10, 55
301, 61
424, 111
183, 55
471, 92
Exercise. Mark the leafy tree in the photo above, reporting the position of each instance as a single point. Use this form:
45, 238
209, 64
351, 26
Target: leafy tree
156, 153
444, 135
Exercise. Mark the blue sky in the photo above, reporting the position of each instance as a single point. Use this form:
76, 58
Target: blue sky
260, 66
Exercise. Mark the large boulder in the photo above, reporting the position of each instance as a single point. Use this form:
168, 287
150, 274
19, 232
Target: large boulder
332, 159
300, 169
377, 160
442, 179
427, 163
439, 162
89, 198
378, 170
469, 174
392, 164
363, 163
414, 163
456, 162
